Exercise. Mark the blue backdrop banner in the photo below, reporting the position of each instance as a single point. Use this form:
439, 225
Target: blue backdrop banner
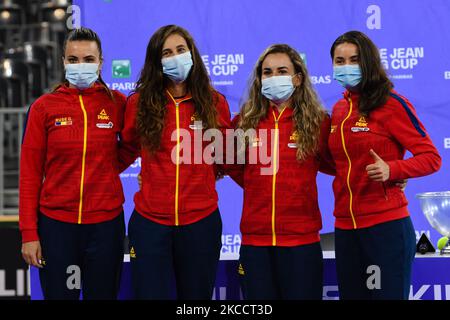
413, 37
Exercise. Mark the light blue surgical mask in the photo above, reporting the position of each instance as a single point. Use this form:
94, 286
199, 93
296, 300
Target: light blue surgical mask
277, 89
349, 75
82, 75
177, 67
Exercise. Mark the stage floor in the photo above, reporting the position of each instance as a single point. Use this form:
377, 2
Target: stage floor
430, 279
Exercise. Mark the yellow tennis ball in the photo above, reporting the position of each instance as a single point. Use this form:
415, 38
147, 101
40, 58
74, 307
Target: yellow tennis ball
442, 242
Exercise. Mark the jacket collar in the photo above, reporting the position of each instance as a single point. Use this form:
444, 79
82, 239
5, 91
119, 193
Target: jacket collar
75, 91
351, 94
287, 113
175, 100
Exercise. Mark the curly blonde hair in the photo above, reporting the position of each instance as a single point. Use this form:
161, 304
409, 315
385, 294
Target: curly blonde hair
308, 111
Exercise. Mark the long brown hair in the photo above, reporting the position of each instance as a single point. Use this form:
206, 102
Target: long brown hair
152, 85
85, 34
308, 112
375, 85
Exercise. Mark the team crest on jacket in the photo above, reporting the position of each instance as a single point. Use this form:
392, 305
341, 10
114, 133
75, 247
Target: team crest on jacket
64, 121
293, 140
196, 123
333, 129
361, 125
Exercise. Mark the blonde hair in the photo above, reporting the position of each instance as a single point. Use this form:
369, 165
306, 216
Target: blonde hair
308, 112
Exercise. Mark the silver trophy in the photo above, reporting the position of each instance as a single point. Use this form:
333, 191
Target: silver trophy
436, 208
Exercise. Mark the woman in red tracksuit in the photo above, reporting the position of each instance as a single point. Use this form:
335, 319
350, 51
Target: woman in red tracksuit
70, 205
371, 128
281, 256
175, 229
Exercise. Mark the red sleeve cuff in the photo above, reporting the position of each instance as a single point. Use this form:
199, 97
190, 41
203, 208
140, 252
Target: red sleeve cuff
394, 170
30, 235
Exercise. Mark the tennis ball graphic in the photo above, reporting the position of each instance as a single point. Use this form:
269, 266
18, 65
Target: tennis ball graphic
442, 242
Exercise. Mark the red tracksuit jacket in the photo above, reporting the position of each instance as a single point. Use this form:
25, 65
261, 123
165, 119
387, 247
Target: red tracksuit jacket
69, 159
281, 209
390, 130
173, 191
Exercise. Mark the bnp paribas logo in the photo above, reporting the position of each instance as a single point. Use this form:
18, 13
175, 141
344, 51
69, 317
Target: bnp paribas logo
121, 68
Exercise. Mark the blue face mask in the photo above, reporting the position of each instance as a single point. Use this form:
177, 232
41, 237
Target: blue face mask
277, 89
177, 67
81, 75
349, 75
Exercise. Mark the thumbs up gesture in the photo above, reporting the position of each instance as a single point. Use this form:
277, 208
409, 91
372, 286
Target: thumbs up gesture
378, 171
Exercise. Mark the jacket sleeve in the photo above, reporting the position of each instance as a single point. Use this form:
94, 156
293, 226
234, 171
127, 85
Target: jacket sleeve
326, 163
32, 164
410, 133
224, 123
234, 170
129, 143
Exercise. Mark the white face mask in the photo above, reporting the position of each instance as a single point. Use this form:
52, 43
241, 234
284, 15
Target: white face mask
277, 89
177, 67
349, 75
81, 75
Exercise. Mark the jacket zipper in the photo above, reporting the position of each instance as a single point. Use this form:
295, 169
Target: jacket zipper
349, 163
83, 161
177, 174
177, 165
274, 174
